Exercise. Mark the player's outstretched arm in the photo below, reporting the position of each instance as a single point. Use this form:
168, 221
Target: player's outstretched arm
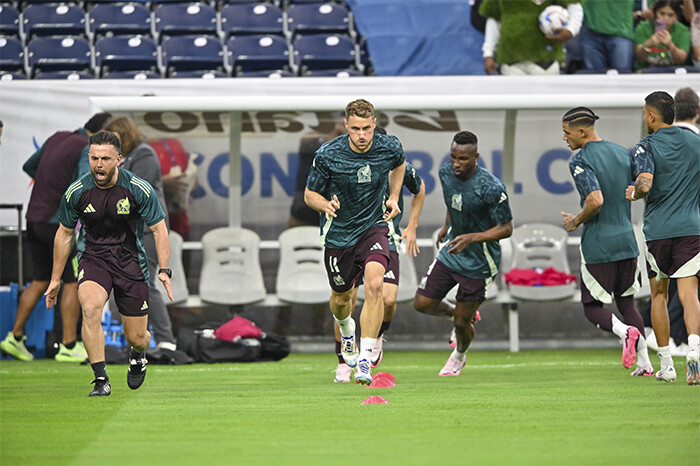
409, 232
496, 233
61, 250
320, 204
396, 177
160, 235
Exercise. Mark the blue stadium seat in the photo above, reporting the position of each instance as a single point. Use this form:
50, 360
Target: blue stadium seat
10, 76
121, 53
58, 54
266, 74
345, 73
198, 74
67, 75
324, 52
184, 19
192, 53
258, 53
53, 20
259, 18
136, 75
11, 55
109, 19
9, 20
316, 18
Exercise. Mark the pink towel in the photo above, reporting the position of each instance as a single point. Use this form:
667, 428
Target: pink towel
531, 277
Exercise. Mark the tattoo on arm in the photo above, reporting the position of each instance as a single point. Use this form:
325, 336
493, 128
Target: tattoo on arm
642, 186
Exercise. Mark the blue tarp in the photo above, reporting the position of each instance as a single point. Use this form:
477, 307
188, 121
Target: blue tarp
419, 37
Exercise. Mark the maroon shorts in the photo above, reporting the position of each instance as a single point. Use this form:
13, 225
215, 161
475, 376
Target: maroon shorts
392, 271
674, 257
41, 238
440, 279
602, 282
343, 266
131, 296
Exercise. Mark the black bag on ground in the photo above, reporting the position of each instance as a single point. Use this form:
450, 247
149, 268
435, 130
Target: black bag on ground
273, 347
202, 346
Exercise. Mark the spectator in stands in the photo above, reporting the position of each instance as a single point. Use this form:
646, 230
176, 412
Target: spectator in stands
607, 35
601, 171
53, 167
347, 183
663, 42
695, 39
141, 160
478, 216
512, 31
667, 168
642, 13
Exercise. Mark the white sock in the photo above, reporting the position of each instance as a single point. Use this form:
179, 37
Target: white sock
665, 355
619, 328
642, 353
457, 355
693, 342
366, 347
347, 326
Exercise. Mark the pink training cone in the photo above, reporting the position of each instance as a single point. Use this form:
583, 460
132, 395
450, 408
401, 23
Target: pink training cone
381, 383
375, 400
385, 375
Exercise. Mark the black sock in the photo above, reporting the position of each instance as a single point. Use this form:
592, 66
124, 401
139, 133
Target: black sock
100, 370
70, 345
338, 353
383, 328
18, 339
133, 354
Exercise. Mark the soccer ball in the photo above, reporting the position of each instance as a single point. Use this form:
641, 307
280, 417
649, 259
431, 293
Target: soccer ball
552, 17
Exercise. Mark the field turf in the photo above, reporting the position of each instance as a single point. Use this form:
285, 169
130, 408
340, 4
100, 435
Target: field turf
535, 407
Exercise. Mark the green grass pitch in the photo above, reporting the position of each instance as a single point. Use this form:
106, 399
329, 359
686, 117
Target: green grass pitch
535, 407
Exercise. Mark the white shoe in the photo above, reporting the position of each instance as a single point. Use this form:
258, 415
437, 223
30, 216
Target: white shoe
342, 373
76, 354
666, 374
453, 367
363, 374
692, 368
348, 349
378, 352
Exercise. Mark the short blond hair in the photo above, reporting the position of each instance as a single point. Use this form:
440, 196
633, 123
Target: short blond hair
360, 108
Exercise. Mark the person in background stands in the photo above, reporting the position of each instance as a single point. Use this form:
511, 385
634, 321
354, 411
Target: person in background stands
607, 35
53, 167
663, 41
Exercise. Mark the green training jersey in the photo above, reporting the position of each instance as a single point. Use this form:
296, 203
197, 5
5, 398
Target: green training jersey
476, 204
672, 155
608, 236
360, 182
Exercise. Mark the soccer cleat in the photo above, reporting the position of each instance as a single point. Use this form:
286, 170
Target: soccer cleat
453, 367
15, 348
77, 354
642, 371
363, 374
629, 348
692, 368
377, 352
102, 387
342, 373
666, 374
137, 372
348, 349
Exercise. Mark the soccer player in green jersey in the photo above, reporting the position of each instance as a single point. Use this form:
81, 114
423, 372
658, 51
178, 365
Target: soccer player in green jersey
348, 184
478, 216
601, 170
667, 169
112, 205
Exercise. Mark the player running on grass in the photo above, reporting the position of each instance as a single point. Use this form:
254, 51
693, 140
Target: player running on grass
601, 170
348, 184
112, 205
478, 216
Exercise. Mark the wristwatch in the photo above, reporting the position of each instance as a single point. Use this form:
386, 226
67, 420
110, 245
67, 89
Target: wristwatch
168, 272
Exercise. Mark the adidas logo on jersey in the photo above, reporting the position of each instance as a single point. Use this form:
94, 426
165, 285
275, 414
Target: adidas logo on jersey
578, 170
89, 209
376, 246
145, 306
338, 280
640, 150
503, 198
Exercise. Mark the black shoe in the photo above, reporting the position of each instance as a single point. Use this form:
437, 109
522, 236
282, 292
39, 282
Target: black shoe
102, 387
137, 372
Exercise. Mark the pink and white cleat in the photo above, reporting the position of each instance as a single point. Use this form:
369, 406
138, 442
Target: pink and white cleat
453, 367
642, 371
343, 373
629, 348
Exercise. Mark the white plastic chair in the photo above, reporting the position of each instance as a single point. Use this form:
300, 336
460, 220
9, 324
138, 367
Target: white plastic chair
540, 245
231, 272
301, 276
179, 280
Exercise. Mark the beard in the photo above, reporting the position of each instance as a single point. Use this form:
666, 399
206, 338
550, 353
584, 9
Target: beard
102, 182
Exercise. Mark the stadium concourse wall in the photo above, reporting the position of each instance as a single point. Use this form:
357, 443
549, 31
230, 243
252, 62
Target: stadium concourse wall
258, 123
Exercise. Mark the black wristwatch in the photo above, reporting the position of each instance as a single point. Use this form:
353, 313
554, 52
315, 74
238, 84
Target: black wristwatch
168, 272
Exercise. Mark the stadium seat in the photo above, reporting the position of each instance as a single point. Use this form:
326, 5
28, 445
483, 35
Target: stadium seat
10, 76
257, 18
112, 19
333, 73
258, 53
11, 55
192, 53
121, 53
184, 19
324, 51
68, 75
301, 275
313, 18
539, 246
58, 54
408, 280
198, 74
273, 74
136, 75
179, 280
231, 272
9, 20
53, 20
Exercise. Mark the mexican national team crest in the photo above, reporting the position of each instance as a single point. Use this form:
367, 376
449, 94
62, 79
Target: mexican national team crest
364, 174
123, 206
457, 202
